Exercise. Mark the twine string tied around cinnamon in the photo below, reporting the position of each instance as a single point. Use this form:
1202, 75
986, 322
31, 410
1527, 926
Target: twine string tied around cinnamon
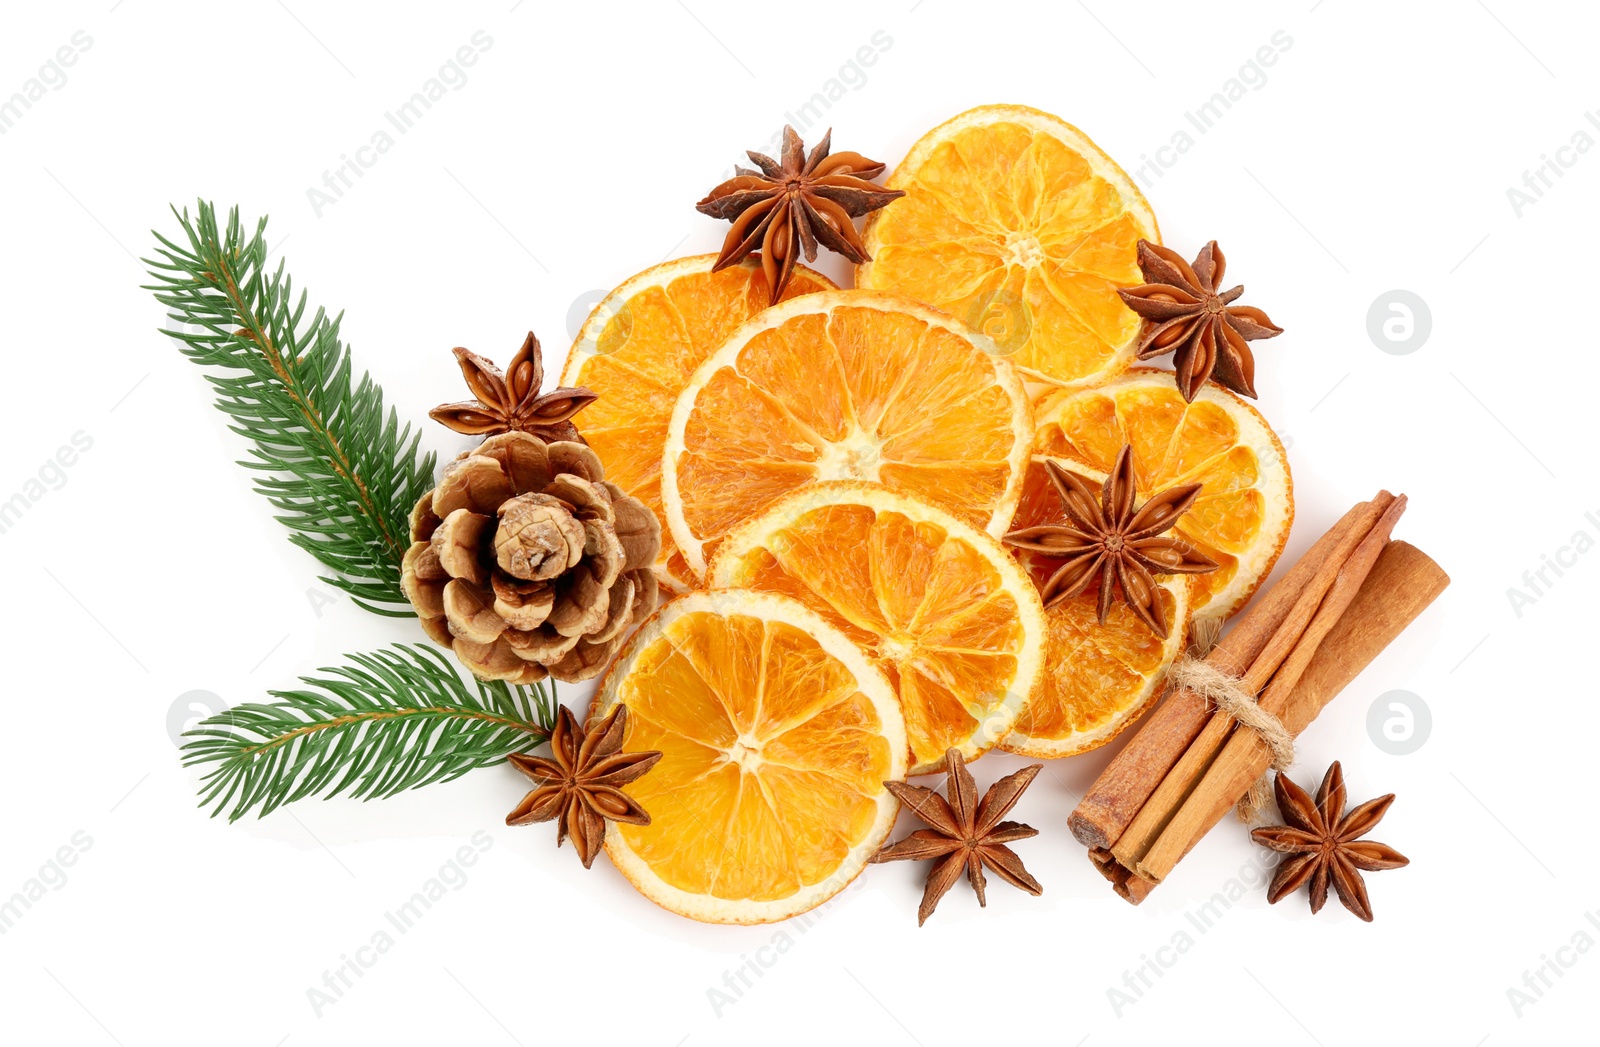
1227, 693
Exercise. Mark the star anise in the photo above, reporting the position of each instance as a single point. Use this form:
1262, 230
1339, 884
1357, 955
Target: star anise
512, 401
1186, 315
795, 204
966, 834
1323, 843
579, 784
1108, 539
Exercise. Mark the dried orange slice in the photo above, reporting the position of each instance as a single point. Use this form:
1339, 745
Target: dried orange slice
1016, 223
844, 385
1097, 677
939, 606
1242, 515
638, 347
776, 735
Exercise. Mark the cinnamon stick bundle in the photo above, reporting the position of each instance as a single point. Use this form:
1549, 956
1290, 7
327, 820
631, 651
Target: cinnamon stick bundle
1341, 604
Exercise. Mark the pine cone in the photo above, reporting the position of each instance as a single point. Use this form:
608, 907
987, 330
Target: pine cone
526, 562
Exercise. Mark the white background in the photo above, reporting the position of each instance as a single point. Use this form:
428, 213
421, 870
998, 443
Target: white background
1375, 154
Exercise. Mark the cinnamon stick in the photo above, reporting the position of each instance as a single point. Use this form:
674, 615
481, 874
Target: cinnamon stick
1127, 782
1402, 583
1173, 762
1399, 587
1183, 825
1129, 884
1281, 661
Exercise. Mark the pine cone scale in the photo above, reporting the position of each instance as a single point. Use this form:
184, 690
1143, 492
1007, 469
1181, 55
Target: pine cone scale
494, 661
469, 611
637, 527
423, 578
584, 607
542, 646
524, 605
476, 482
455, 546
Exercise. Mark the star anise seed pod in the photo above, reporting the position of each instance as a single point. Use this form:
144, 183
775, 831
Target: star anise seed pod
796, 204
1187, 316
1109, 540
1323, 843
579, 784
512, 401
965, 834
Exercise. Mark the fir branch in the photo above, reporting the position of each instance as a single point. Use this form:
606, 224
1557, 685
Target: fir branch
342, 473
394, 720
